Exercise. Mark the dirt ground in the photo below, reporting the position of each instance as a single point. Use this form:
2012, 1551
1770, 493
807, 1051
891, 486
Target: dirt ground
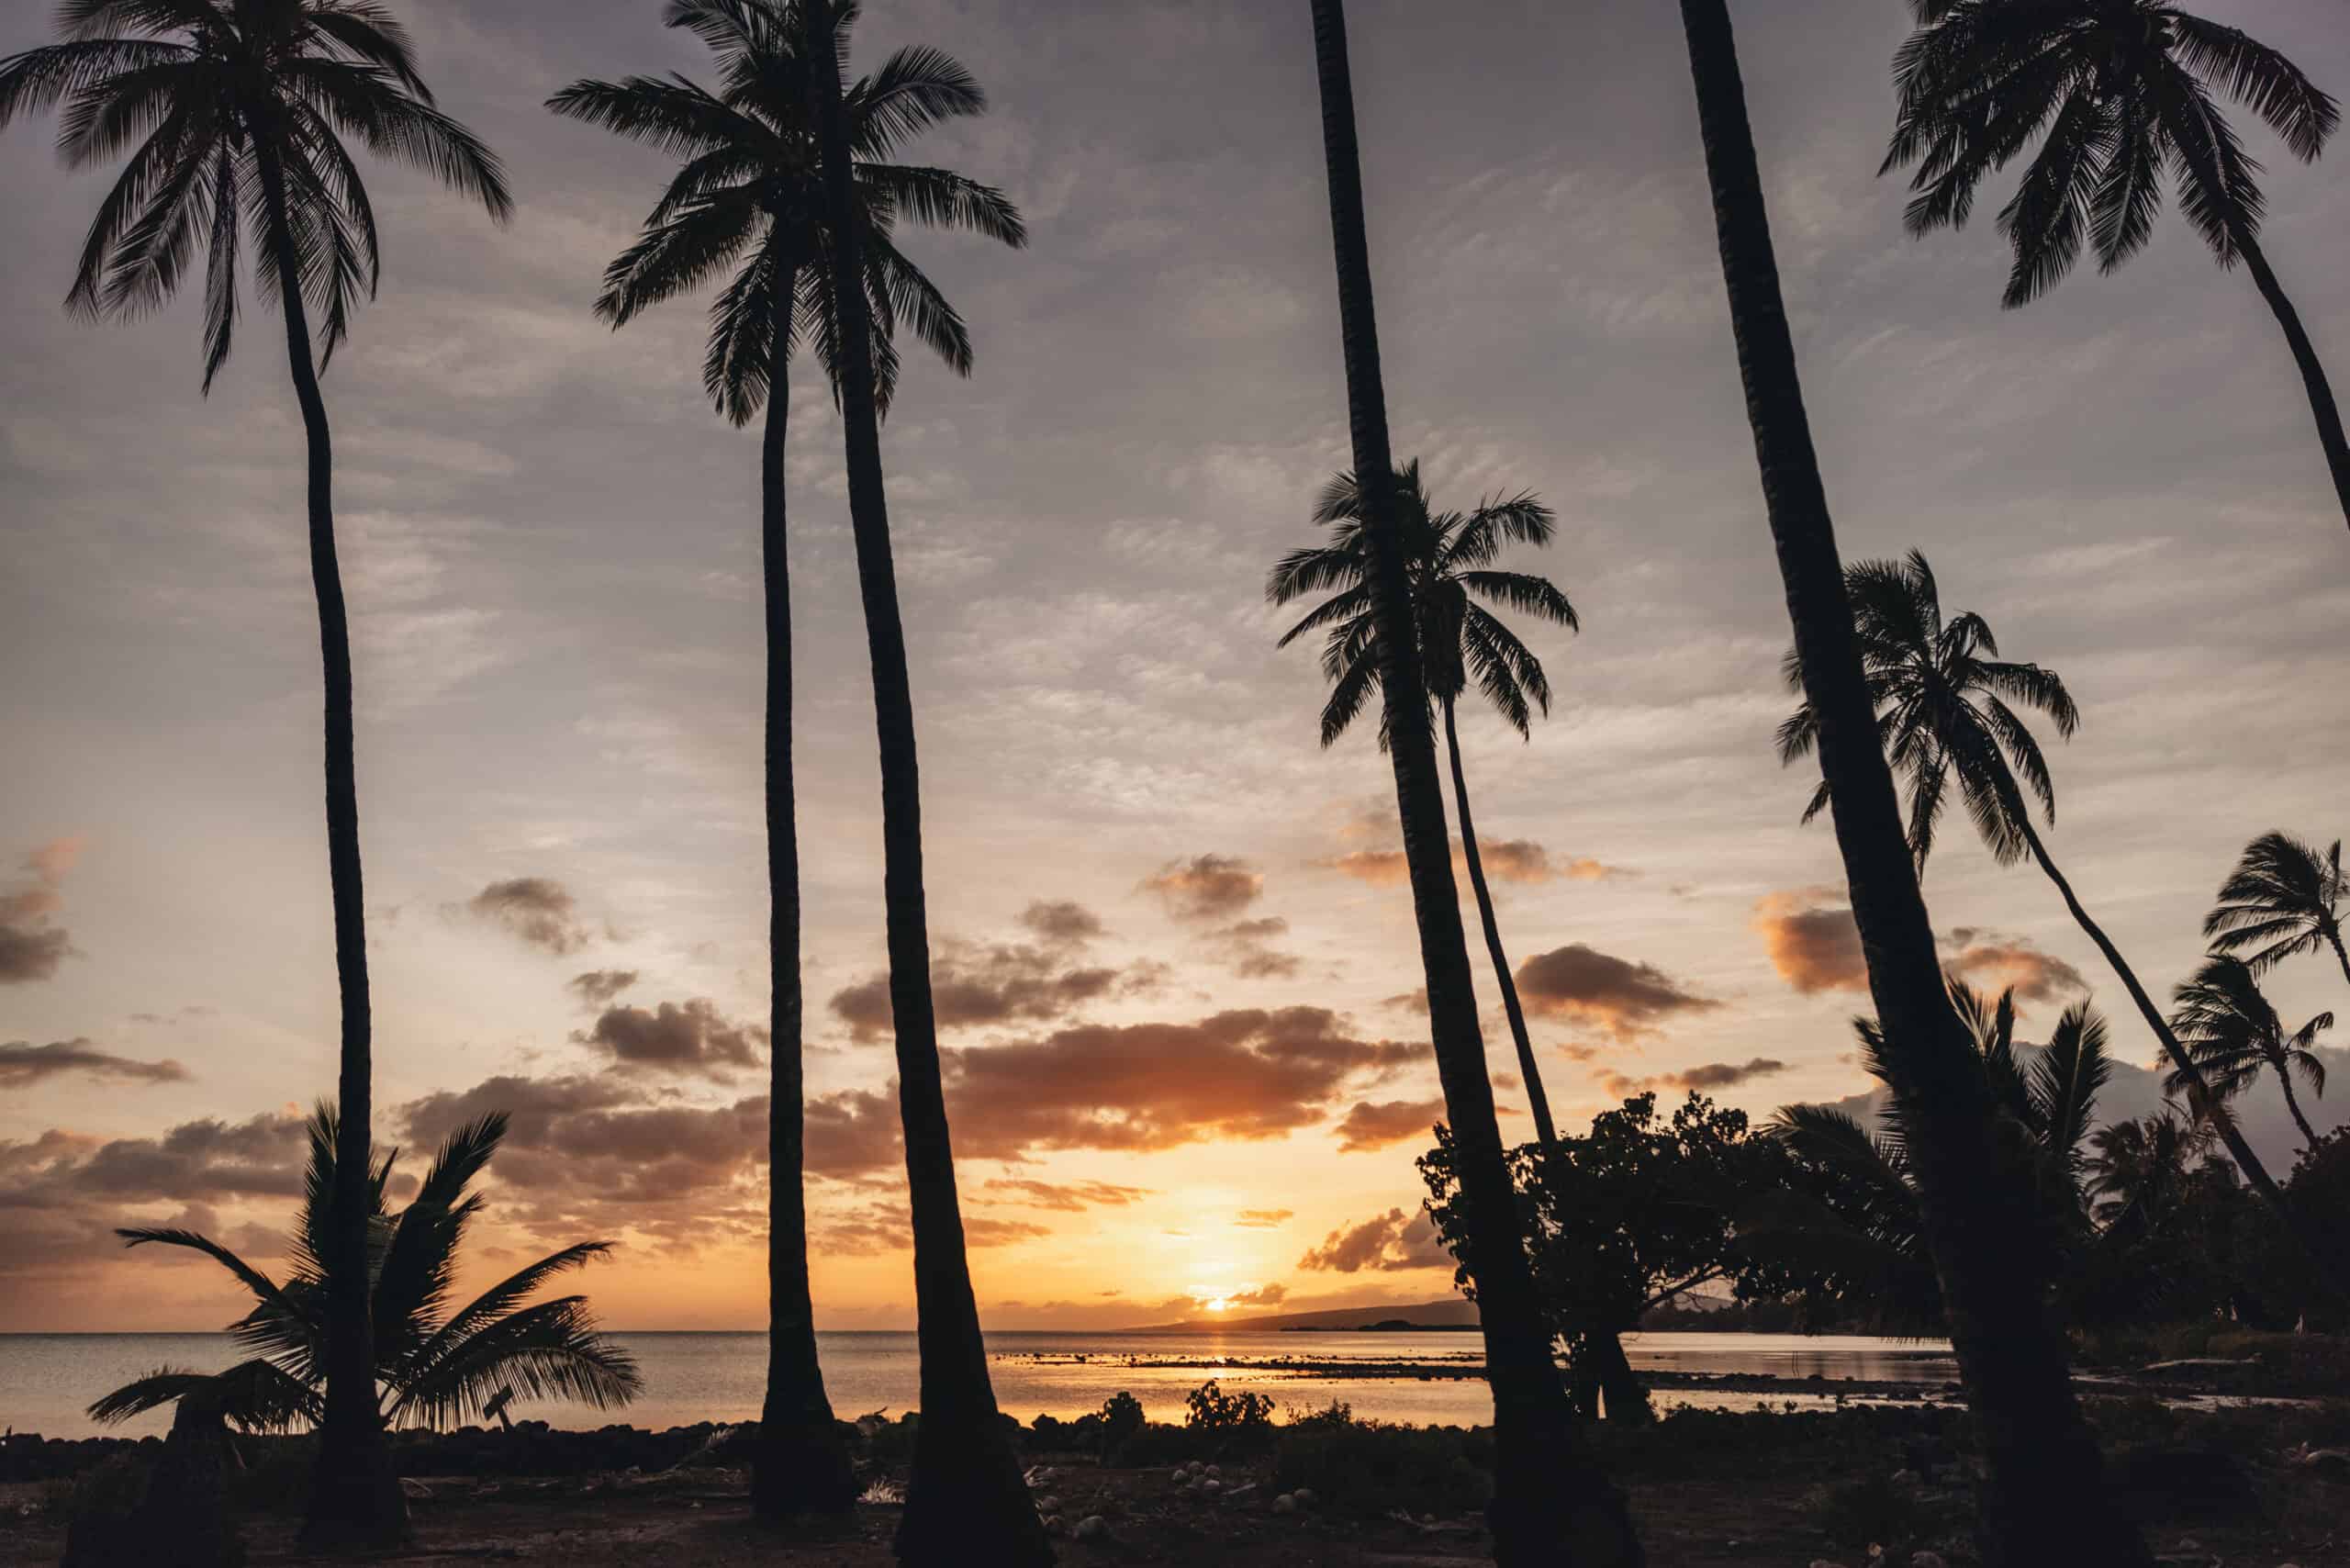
1764, 1519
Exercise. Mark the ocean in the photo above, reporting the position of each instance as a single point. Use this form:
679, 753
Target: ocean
48, 1380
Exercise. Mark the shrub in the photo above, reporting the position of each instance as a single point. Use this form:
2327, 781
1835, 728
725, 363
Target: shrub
1365, 1467
1871, 1511
1216, 1411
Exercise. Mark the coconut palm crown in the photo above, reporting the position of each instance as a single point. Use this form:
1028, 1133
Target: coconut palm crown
749, 198
2233, 1033
219, 103
2283, 899
436, 1362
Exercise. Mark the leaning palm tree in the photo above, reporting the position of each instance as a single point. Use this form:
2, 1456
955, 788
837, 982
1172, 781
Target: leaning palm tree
434, 1366
2123, 95
1943, 699
1551, 1500
2138, 1170
2233, 1033
240, 111
967, 1501
2283, 899
1449, 564
748, 199
2045, 1499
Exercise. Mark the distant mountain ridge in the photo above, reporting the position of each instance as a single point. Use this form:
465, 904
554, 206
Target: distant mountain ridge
1449, 1313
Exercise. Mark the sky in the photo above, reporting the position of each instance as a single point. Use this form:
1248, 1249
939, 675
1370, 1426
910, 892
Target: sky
1185, 1063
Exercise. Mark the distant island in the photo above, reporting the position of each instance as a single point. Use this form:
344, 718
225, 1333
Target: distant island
1384, 1326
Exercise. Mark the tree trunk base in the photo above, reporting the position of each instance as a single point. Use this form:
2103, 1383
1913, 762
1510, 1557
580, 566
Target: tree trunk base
356, 1504
967, 1502
1553, 1508
799, 1468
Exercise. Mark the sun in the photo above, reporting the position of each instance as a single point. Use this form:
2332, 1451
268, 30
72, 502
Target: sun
1219, 1303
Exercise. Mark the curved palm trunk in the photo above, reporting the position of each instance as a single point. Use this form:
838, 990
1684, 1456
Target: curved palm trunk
2341, 953
966, 1502
2045, 1501
2293, 1104
2321, 391
1552, 1504
2255, 1172
800, 1463
1537, 1101
356, 1499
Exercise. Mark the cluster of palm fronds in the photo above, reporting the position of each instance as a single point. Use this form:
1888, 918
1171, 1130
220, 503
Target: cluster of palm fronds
436, 1362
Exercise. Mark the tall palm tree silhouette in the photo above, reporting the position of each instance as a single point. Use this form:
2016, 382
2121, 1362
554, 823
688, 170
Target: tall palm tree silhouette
235, 114
2284, 898
2232, 1032
748, 199
1551, 1501
1448, 561
2119, 93
967, 1501
1944, 696
2045, 1499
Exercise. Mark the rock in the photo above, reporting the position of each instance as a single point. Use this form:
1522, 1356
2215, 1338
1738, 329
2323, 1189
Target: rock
1285, 1504
1182, 1474
1306, 1498
1093, 1527
2327, 1462
1823, 1563
1907, 1480
1211, 1487
1214, 1473
1052, 1523
1927, 1559
1048, 1505
417, 1492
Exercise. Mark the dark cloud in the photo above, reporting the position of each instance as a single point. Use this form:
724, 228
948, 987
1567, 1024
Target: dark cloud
975, 984
597, 987
1627, 999
1263, 1219
1062, 1197
31, 943
23, 1064
1384, 1242
1712, 1075
1994, 960
538, 910
1520, 860
1247, 948
1812, 944
1062, 920
1263, 1295
1206, 887
1247, 1073
1376, 1125
692, 1038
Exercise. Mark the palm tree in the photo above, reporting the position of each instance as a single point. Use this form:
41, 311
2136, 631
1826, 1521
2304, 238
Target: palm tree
1551, 1501
748, 199
2138, 1170
2045, 1498
2285, 898
2121, 94
240, 110
2232, 1031
1448, 559
967, 1501
1943, 697
433, 1366
1875, 1237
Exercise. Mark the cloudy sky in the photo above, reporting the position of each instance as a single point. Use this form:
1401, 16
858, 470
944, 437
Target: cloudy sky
1171, 947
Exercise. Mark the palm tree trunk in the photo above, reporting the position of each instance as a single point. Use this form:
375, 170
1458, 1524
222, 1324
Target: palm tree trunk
2255, 1172
2322, 404
1627, 1399
2341, 954
355, 1500
1536, 1100
2045, 1501
967, 1501
2293, 1104
800, 1464
1552, 1503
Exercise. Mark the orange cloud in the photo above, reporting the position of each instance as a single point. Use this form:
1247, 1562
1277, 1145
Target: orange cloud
1376, 1125
1206, 887
1262, 1219
1996, 959
1627, 999
31, 943
1518, 860
973, 984
1387, 1242
1062, 1198
1813, 944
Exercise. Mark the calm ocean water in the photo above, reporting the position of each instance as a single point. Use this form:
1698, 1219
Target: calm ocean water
47, 1380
